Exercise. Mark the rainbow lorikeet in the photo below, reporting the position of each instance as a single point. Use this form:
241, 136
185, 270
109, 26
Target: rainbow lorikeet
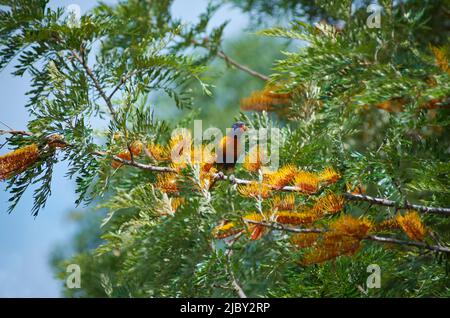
231, 146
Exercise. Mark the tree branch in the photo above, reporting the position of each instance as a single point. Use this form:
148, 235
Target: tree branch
228, 254
94, 79
353, 197
375, 238
386, 202
15, 132
233, 62
134, 163
232, 179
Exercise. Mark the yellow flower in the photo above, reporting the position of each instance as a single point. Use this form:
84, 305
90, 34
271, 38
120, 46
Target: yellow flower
412, 225
254, 189
176, 203
125, 155
158, 152
18, 160
203, 156
254, 159
136, 147
296, 218
256, 231
282, 177
283, 203
359, 189
328, 176
343, 238
307, 182
167, 183
390, 224
392, 105
207, 178
180, 146
441, 59
349, 226
328, 248
265, 99
225, 229
304, 240
329, 204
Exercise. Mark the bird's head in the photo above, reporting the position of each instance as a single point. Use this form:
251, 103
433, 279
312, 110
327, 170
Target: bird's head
239, 127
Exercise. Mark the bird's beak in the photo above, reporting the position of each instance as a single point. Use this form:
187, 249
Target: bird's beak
244, 128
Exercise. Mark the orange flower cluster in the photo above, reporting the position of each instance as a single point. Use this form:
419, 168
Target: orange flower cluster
18, 160
296, 218
328, 176
285, 203
441, 58
158, 152
343, 238
329, 204
282, 177
254, 190
167, 183
176, 203
136, 148
304, 240
56, 141
307, 182
265, 100
225, 230
392, 105
254, 159
412, 225
256, 231
359, 189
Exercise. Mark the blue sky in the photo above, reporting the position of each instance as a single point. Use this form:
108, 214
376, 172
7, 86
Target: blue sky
25, 241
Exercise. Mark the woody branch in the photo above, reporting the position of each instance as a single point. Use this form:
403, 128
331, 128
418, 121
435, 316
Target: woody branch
232, 179
375, 238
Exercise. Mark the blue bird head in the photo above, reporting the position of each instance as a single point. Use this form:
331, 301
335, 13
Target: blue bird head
239, 127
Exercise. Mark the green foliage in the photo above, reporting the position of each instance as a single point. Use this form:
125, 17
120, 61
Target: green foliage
372, 103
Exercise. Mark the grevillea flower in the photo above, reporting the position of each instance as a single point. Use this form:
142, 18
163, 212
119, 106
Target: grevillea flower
180, 144
136, 147
441, 59
254, 159
343, 238
207, 178
158, 152
328, 176
282, 177
176, 203
283, 203
265, 100
347, 225
225, 229
296, 218
392, 105
307, 182
123, 155
390, 224
203, 156
304, 240
256, 231
18, 160
327, 249
359, 189
254, 189
167, 183
56, 141
412, 225
329, 204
